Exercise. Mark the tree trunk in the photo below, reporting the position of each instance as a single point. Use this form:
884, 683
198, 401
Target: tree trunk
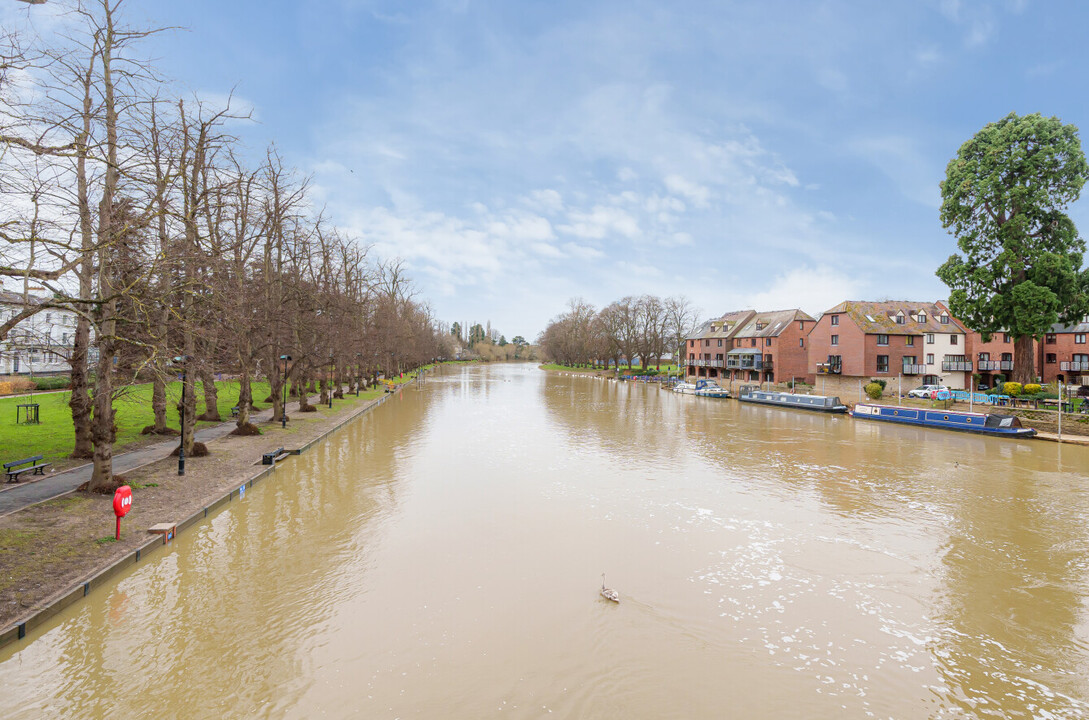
158, 402
190, 392
80, 400
245, 396
102, 423
211, 396
325, 390
1024, 365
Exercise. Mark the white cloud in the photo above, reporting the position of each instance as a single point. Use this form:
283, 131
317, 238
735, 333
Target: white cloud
696, 193
601, 222
814, 289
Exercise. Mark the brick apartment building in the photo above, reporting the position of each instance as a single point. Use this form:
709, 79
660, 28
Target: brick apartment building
771, 347
705, 351
906, 343
994, 359
1063, 354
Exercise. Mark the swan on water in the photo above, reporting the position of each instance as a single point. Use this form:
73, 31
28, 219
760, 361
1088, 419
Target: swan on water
608, 593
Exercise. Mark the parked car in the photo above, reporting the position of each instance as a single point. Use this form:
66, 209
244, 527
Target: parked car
927, 391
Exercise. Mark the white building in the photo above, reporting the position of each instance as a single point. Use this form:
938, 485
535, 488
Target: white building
38, 345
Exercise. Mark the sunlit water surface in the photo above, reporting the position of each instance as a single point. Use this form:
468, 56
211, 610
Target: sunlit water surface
441, 558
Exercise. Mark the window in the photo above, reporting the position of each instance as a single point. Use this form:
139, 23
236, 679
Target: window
752, 343
835, 319
64, 338
930, 338
900, 319
1049, 358
49, 317
691, 343
801, 324
707, 343
1005, 337
767, 341
953, 339
882, 339
930, 358
922, 316
1007, 357
943, 319
835, 339
1050, 338
910, 341
801, 342
882, 363
1079, 339
984, 357
691, 356
720, 343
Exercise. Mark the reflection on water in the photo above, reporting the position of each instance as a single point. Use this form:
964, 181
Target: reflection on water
441, 558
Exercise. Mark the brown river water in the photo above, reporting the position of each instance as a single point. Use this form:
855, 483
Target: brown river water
441, 557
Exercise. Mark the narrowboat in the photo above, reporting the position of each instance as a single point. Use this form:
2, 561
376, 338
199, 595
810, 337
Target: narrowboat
973, 422
817, 403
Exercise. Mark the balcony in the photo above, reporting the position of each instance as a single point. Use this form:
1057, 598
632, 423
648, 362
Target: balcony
701, 362
914, 369
956, 366
995, 365
834, 366
1080, 366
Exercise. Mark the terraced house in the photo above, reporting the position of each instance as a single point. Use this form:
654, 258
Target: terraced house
771, 347
905, 343
705, 351
1063, 354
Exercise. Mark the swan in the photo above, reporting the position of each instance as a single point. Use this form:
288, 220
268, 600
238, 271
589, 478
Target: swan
608, 593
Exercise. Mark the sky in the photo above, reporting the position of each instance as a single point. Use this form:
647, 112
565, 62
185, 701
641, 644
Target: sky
517, 154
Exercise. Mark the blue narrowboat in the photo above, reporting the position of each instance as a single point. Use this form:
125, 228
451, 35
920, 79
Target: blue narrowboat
984, 424
817, 403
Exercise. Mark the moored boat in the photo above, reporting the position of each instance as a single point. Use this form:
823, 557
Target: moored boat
817, 403
973, 422
685, 387
711, 389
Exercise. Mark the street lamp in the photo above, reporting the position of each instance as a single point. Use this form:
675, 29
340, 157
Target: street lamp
181, 360
358, 372
284, 360
330, 371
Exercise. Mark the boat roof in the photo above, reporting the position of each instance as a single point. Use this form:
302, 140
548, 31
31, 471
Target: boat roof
909, 407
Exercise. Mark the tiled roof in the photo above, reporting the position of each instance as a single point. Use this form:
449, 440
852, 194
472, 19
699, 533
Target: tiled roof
723, 327
1082, 327
771, 324
879, 317
10, 298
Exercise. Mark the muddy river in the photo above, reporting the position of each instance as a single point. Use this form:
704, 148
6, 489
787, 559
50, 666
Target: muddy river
441, 557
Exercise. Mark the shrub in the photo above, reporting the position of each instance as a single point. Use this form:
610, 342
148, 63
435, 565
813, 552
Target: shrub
874, 390
878, 381
52, 383
1013, 389
1031, 388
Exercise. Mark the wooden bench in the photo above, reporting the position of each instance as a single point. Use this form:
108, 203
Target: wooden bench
14, 471
234, 411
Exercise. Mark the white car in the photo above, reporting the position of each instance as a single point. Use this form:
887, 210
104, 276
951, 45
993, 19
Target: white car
927, 391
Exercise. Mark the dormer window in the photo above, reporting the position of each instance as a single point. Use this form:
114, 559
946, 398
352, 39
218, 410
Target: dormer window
761, 326
943, 319
899, 318
922, 316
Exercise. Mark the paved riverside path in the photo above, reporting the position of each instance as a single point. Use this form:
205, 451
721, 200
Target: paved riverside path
56, 484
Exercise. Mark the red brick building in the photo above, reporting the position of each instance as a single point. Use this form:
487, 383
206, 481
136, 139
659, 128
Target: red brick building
771, 347
1063, 354
994, 359
906, 343
705, 351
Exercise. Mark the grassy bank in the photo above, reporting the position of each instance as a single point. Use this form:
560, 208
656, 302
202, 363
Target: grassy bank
54, 437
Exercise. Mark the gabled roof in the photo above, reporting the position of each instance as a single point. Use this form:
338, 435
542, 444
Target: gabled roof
1059, 328
722, 327
880, 317
771, 324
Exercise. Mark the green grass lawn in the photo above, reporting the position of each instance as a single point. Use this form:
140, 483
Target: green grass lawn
54, 437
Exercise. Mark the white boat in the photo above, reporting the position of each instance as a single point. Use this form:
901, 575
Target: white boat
711, 389
705, 388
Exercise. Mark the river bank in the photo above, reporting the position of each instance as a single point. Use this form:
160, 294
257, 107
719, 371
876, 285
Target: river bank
51, 549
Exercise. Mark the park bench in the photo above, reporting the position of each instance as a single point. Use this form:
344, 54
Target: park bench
14, 471
269, 458
234, 411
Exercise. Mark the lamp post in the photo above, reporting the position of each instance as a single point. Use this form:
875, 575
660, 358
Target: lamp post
358, 372
284, 360
330, 371
181, 360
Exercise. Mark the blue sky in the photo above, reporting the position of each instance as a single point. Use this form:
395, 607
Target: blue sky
517, 154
